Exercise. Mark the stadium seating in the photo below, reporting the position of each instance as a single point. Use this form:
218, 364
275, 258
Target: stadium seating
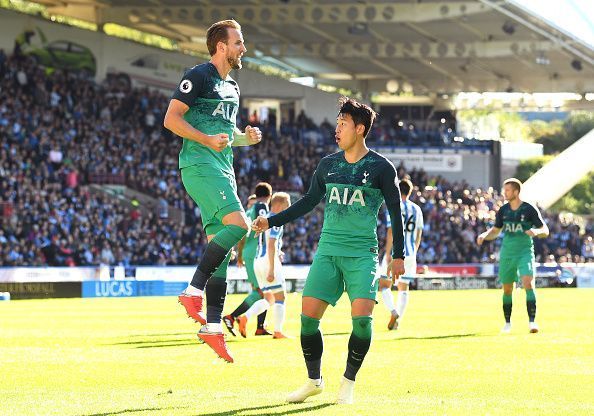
60, 133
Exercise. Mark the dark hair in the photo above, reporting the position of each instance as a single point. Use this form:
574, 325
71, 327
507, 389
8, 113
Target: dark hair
360, 113
406, 187
515, 183
263, 190
218, 33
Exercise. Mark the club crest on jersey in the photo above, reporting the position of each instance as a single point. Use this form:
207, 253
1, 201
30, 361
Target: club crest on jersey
365, 175
228, 111
512, 228
345, 198
185, 86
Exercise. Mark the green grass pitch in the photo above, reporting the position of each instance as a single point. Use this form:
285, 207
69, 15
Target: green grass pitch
139, 356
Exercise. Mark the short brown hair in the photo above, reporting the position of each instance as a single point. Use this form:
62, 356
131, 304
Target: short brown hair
360, 113
218, 33
515, 183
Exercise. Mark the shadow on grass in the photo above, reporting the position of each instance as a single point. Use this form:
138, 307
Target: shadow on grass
331, 334
148, 409
161, 343
309, 408
435, 337
177, 344
149, 341
191, 339
162, 335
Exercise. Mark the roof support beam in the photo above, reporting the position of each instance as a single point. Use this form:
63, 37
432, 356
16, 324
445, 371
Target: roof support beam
424, 50
281, 14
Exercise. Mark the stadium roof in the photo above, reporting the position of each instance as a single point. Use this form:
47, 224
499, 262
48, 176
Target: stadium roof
371, 46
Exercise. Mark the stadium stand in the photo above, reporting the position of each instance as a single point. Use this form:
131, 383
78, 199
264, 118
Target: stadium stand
61, 133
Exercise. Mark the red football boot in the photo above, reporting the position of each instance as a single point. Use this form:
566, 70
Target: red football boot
193, 305
216, 341
242, 323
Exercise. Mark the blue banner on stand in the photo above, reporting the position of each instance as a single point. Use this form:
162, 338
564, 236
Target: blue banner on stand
109, 289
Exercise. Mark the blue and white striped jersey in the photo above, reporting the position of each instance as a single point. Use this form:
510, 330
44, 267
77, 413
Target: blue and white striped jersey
412, 220
274, 232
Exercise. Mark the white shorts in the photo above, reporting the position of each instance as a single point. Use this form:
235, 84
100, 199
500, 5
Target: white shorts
261, 267
410, 269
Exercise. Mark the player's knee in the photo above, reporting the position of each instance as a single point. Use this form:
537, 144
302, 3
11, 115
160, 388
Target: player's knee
385, 283
528, 283
280, 296
362, 327
237, 219
244, 224
309, 325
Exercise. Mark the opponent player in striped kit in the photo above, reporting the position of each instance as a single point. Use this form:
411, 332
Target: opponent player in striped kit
412, 219
268, 271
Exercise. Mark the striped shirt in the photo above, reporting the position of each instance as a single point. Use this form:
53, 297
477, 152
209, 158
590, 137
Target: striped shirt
412, 220
275, 233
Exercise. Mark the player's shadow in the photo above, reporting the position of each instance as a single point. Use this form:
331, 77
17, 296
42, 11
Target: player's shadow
438, 337
149, 409
176, 344
311, 408
157, 343
333, 334
150, 341
162, 335
162, 343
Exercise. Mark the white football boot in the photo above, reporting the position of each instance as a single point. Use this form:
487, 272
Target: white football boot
310, 388
345, 391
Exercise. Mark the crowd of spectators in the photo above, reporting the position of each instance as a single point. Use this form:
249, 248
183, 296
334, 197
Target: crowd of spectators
61, 133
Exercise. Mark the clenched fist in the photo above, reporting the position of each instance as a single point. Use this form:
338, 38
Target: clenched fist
253, 134
218, 142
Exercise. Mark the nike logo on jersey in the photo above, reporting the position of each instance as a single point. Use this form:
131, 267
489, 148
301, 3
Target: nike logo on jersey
332, 173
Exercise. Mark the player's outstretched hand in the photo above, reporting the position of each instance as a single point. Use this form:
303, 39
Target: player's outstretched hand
480, 239
254, 135
260, 224
218, 142
395, 269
